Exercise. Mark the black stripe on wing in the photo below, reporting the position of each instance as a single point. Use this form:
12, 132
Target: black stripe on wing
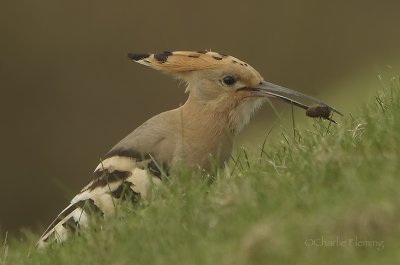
102, 178
152, 166
125, 192
89, 207
71, 224
128, 153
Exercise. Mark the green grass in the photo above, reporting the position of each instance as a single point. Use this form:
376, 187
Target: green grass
327, 186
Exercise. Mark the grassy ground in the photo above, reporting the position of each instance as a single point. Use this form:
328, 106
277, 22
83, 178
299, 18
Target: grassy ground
328, 195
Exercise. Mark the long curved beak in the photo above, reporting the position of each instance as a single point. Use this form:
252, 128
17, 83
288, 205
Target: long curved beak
266, 89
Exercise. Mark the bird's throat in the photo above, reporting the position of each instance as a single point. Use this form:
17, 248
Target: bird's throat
206, 134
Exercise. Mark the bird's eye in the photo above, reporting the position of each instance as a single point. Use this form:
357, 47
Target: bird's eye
229, 80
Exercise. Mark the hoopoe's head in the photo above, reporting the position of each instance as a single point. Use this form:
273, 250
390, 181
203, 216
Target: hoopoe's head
221, 83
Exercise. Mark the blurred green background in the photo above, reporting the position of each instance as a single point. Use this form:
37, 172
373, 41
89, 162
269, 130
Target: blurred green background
69, 93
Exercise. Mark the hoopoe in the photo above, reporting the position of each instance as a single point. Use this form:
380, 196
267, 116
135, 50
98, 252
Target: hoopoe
223, 91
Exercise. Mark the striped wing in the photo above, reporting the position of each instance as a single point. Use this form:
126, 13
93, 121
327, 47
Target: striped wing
122, 175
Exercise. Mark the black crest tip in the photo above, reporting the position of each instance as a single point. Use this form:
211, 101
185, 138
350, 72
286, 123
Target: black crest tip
138, 56
162, 57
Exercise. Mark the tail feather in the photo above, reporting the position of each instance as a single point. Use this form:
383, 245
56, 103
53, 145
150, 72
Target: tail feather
66, 222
